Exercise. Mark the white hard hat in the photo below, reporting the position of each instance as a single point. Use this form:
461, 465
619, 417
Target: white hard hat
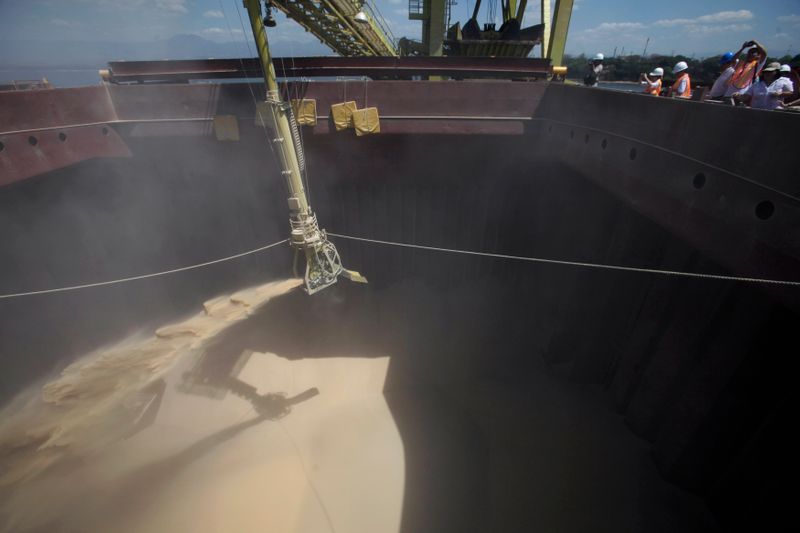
679, 67
786, 68
599, 57
658, 71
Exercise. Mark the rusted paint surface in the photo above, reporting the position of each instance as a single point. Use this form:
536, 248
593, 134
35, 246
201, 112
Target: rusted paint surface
42, 130
175, 110
49, 108
296, 67
398, 98
25, 155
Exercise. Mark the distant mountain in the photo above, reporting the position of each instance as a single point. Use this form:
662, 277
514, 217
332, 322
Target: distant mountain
95, 54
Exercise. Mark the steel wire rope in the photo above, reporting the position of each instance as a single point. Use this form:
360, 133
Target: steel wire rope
249, 86
297, 450
165, 272
210, 119
252, 94
304, 170
303, 79
491, 13
299, 456
143, 276
181, 269
241, 62
574, 263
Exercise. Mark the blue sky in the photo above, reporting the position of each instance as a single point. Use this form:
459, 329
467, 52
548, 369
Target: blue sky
684, 26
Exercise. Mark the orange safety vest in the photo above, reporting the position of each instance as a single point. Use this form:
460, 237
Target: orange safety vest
744, 74
655, 91
687, 93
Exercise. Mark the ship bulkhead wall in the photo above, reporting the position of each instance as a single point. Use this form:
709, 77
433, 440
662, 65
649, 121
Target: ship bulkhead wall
697, 366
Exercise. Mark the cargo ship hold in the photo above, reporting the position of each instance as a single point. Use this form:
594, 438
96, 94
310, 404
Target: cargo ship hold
579, 312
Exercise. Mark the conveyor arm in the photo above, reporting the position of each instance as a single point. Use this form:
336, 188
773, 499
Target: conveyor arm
334, 23
323, 266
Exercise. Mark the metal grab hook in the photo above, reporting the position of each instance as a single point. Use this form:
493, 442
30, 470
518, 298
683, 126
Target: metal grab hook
323, 264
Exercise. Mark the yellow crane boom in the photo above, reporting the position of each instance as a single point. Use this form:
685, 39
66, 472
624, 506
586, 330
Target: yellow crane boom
323, 266
338, 25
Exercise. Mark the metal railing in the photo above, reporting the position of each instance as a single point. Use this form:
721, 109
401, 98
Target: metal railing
416, 9
334, 23
377, 17
420, 10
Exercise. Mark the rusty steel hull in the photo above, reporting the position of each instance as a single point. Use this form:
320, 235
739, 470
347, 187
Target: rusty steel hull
695, 366
307, 67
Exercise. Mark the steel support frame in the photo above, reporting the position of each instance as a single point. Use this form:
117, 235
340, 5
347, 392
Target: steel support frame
558, 35
433, 27
333, 23
376, 67
547, 22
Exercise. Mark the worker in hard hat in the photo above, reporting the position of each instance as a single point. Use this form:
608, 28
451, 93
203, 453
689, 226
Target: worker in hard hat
595, 68
794, 77
783, 85
747, 70
652, 82
765, 93
682, 88
727, 65
785, 80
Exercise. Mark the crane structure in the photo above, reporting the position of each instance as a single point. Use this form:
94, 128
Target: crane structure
439, 37
510, 40
323, 266
557, 30
353, 28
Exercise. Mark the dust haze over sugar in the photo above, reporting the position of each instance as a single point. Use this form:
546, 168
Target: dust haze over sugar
176, 202
52, 435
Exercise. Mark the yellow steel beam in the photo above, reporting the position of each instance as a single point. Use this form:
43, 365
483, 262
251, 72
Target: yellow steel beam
378, 29
323, 265
546, 30
558, 35
435, 28
521, 10
511, 10
333, 22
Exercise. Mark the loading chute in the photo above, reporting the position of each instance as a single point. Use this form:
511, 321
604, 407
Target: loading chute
323, 265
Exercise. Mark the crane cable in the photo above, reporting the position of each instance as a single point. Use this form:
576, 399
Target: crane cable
398, 244
573, 263
299, 143
304, 174
582, 264
259, 118
144, 276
